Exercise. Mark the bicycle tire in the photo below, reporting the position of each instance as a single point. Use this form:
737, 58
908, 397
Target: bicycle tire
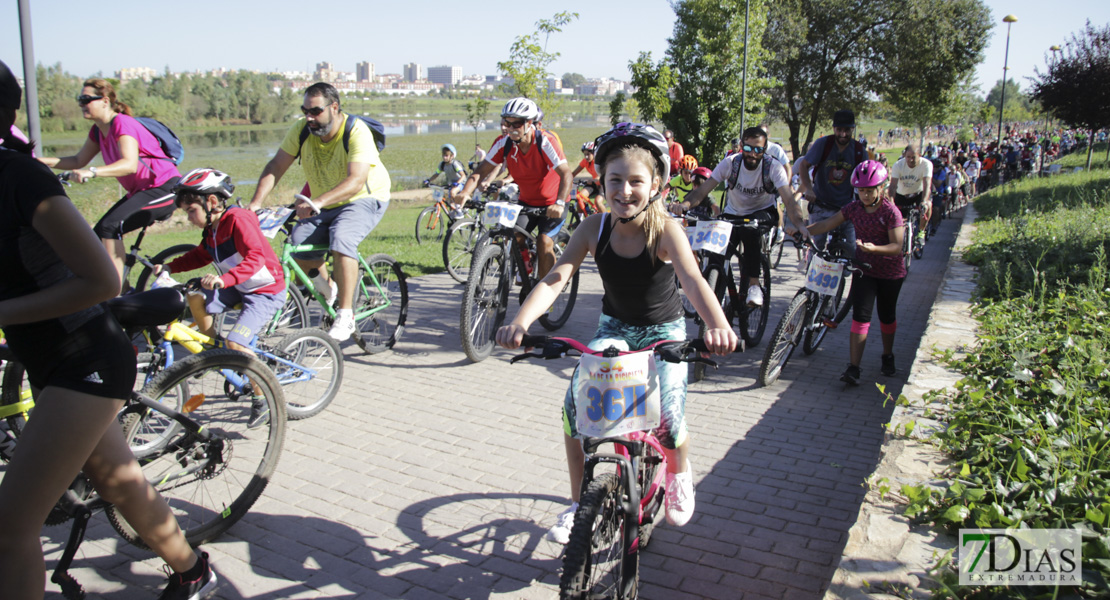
784, 340
560, 310
458, 248
826, 308
12, 391
233, 469
909, 244
598, 533
430, 225
163, 257
650, 463
712, 278
380, 331
776, 253
310, 350
751, 330
485, 302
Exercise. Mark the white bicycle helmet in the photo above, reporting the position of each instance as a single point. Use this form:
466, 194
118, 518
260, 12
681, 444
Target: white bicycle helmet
204, 181
639, 134
521, 108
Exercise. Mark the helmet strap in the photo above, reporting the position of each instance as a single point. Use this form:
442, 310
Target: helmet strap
642, 210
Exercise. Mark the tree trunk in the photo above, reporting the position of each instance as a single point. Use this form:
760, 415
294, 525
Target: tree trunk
1090, 147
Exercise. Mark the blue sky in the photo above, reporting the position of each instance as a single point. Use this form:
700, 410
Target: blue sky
286, 35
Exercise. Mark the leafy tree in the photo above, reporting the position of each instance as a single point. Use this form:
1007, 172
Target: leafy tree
1019, 106
476, 113
653, 83
1076, 88
572, 80
706, 53
616, 108
529, 60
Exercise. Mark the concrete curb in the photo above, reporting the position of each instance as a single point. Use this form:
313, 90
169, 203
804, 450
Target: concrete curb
885, 556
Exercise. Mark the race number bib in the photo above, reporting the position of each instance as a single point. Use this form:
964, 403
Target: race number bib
500, 213
271, 219
712, 236
823, 276
616, 396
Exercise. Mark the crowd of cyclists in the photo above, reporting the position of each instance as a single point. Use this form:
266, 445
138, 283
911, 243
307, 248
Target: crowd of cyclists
58, 270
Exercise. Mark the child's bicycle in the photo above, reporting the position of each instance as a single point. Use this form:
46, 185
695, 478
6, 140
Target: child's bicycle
209, 465
618, 509
307, 363
381, 302
437, 218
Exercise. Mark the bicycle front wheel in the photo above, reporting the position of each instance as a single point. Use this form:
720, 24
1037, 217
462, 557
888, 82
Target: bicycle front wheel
308, 365
560, 310
594, 562
784, 340
752, 320
458, 248
210, 484
385, 293
909, 245
430, 224
713, 279
826, 309
485, 302
146, 276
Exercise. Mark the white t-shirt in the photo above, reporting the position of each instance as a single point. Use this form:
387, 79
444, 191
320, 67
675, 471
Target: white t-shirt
796, 178
748, 196
776, 152
971, 167
911, 181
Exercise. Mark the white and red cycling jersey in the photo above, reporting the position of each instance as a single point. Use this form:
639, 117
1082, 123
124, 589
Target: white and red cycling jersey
533, 171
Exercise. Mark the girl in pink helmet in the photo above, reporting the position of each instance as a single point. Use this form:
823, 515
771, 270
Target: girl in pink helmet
879, 235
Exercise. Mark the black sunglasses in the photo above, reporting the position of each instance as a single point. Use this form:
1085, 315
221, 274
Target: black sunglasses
756, 149
84, 100
315, 111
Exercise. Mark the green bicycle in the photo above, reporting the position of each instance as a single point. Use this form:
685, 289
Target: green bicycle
381, 294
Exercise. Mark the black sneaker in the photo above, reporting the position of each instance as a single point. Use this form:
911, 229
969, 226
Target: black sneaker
260, 412
850, 375
888, 365
202, 586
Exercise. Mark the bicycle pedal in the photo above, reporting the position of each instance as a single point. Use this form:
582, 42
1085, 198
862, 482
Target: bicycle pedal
829, 323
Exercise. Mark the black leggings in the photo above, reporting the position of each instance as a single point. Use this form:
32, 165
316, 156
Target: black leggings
137, 211
752, 242
866, 292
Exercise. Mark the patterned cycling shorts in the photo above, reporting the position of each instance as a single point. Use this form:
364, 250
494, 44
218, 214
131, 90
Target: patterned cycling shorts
672, 377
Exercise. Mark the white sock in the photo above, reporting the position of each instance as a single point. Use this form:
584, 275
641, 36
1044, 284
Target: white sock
344, 312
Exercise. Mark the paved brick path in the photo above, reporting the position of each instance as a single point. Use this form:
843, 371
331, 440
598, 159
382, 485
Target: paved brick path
431, 477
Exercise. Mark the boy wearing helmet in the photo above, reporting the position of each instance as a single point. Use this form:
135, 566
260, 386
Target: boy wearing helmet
454, 175
536, 163
879, 236
249, 272
638, 250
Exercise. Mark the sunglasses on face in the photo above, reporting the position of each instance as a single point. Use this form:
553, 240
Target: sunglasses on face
85, 99
755, 149
513, 124
315, 111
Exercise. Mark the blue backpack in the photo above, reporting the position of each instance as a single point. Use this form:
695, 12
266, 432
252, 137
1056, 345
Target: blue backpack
376, 128
167, 139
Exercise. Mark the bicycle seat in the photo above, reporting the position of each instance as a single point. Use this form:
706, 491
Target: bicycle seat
148, 309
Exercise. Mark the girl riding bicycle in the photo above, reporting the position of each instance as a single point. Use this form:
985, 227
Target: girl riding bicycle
638, 250
53, 276
879, 234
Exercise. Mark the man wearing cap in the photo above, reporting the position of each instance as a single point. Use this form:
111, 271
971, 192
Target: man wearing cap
832, 158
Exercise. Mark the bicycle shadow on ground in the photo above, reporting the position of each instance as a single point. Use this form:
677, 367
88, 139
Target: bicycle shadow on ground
336, 560
774, 507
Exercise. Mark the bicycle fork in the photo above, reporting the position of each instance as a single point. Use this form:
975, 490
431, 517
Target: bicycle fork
629, 505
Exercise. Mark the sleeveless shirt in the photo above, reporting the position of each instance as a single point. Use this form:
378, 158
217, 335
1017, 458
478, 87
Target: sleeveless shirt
638, 291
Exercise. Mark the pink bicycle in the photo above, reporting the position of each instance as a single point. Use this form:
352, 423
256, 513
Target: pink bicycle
618, 508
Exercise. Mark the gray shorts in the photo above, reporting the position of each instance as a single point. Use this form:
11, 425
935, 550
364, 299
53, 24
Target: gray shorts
257, 310
343, 228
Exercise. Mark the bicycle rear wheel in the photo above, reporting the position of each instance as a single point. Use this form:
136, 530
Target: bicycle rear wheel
308, 365
593, 564
713, 279
379, 331
431, 224
485, 302
784, 340
560, 310
209, 485
458, 248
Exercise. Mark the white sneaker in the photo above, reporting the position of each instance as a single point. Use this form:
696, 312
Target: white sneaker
343, 327
780, 235
680, 497
458, 213
560, 533
755, 296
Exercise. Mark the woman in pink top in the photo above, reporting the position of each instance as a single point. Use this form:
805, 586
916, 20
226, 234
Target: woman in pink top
132, 155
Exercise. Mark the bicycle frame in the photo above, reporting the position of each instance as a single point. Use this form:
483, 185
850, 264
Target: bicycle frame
290, 266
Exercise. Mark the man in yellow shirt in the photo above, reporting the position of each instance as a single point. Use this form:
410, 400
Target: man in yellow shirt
349, 189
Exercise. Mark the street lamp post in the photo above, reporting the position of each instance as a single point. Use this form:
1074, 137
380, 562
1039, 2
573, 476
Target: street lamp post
744, 81
1055, 50
1009, 20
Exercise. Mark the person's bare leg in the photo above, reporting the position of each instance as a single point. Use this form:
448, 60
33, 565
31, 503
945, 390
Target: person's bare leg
205, 323
345, 272
677, 458
545, 247
116, 252
576, 465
